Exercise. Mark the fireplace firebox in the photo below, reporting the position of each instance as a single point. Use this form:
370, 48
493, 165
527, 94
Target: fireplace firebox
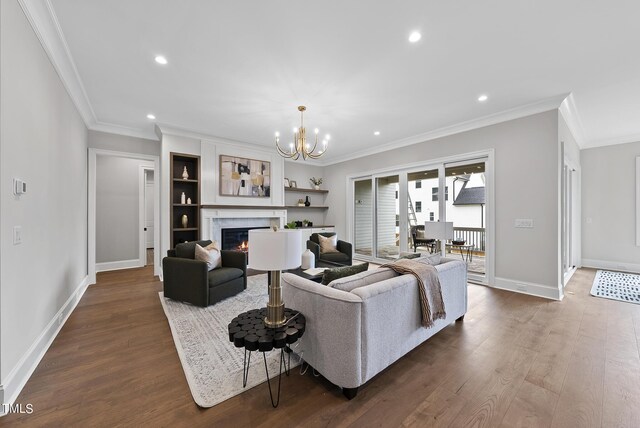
237, 238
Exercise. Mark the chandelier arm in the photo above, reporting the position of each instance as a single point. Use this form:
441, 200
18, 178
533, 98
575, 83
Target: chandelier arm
283, 153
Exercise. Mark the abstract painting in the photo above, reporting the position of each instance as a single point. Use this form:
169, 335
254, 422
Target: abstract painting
244, 177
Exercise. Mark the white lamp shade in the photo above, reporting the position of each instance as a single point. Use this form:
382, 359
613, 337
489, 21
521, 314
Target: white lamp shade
274, 250
441, 230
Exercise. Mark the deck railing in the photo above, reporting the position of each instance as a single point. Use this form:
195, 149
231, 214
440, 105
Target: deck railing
472, 235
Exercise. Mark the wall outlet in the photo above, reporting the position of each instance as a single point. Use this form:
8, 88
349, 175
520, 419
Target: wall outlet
17, 235
526, 223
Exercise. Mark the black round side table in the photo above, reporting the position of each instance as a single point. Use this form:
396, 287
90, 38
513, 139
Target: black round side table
248, 331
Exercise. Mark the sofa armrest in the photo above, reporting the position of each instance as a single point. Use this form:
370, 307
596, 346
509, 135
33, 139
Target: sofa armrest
235, 259
185, 280
332, 340
346, 248
315, 249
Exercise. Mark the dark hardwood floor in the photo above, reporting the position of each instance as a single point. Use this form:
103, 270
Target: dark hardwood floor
516, 360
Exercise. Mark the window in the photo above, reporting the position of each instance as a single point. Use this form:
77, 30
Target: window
396, 194
418, 206
432, 216
397, 220
418, 184
434, 193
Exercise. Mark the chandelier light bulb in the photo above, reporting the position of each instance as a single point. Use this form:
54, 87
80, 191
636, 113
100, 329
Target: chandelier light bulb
317, 131
328, 137
277, 134
295, 130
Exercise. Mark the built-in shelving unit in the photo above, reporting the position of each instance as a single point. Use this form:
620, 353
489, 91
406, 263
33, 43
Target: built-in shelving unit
300, 190
191, 189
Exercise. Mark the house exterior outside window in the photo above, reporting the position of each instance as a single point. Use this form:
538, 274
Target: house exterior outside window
434, 193
418, 206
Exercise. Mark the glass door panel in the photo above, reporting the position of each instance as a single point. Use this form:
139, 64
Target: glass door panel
423, 205
363, 217
387, 217
466, 207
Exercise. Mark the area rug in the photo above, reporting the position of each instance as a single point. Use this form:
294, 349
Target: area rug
211, 363
617, 286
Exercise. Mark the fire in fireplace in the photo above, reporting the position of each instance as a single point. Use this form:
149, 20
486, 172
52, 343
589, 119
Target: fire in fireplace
237, 238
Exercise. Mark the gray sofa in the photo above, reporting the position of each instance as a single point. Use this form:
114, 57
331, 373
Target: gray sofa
353, 335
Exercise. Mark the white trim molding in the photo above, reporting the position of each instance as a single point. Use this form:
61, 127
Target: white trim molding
569, 112
117, 265
611, 265
638, 201
18, 377
529, 288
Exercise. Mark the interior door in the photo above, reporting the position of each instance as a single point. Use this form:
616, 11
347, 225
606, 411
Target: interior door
148, 208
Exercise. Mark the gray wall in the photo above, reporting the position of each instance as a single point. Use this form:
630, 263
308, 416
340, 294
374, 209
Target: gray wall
123, 143
301, 171
117, 209
526, 186
43, 141
609, 207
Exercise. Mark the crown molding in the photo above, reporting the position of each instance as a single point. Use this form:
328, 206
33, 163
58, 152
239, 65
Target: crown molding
112, 128
569, 112
633, 138
492, 119
44, 22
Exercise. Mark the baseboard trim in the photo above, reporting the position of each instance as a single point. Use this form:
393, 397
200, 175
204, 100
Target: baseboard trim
529, 288
604, 264
123, 264
18, 377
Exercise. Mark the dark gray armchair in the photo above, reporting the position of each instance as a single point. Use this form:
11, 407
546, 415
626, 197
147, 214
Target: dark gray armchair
344, 257
187, 280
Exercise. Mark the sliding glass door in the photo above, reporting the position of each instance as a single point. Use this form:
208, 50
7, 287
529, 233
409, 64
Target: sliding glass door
390, 211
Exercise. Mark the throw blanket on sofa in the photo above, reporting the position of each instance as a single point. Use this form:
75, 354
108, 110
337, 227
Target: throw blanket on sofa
428, 282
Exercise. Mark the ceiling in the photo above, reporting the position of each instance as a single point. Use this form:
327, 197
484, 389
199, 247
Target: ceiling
238, 69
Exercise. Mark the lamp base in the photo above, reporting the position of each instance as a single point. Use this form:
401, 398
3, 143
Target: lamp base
275, 308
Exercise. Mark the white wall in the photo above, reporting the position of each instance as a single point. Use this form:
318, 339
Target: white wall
609, 207
43, 141
526, 186
123, 143
117, 210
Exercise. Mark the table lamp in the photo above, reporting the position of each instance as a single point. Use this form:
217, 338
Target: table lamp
274, 250
440, 230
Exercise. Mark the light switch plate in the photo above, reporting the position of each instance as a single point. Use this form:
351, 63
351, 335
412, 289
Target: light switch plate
526, 223
17, 235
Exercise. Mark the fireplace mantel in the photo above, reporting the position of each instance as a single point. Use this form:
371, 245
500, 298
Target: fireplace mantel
215, 219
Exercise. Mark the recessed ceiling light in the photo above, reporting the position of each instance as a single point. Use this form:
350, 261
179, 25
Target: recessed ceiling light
376, 133
150, 116
161, 60
482, 98
414, 37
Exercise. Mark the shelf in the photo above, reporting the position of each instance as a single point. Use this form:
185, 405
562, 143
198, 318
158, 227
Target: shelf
182, 180
185, 205
309, 207
184, 229
245, 207
301, 190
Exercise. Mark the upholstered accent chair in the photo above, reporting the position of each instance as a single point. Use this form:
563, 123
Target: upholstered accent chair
188, 280
342, 258
419, 240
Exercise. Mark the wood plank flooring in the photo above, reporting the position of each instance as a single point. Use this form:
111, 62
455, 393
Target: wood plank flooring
515, 361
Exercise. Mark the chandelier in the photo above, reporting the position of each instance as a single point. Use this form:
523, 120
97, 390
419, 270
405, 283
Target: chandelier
299, 146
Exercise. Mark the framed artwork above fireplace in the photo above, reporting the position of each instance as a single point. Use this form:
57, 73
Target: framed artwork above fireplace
244, 177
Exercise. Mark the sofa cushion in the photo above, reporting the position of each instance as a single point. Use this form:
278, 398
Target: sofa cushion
343, 271
187, 250
210, 255
335, 257
222, 275
361, 279
410, 256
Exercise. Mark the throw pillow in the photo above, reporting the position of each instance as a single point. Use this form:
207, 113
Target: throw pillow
328, 244
411, 256
210, 255
341, 272
361, 279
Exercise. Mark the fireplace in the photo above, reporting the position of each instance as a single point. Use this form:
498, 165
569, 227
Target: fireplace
237, 238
